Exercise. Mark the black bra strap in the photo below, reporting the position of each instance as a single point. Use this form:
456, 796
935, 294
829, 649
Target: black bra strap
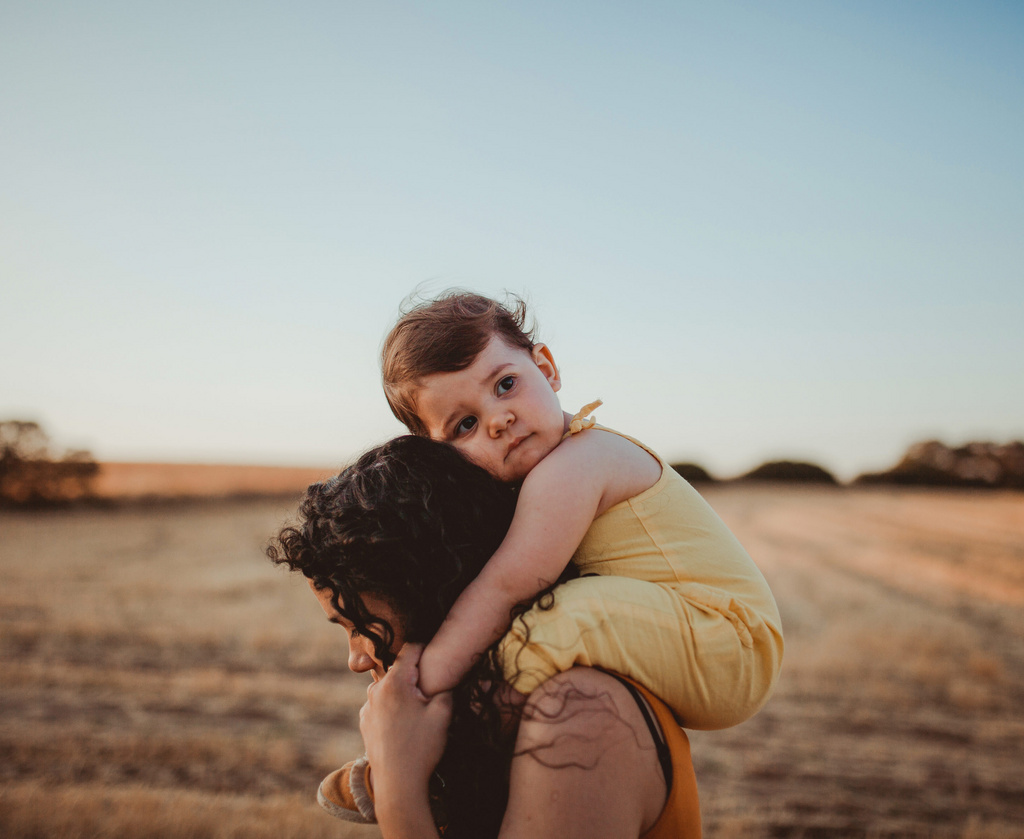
664, 755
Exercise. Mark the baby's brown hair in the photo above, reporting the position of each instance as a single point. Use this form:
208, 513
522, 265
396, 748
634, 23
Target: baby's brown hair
444, 335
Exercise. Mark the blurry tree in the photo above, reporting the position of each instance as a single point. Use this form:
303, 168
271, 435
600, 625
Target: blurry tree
978, 465
32, 474
693, 473
790, 471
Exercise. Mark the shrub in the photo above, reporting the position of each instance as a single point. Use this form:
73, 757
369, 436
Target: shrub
32, 475
693, 473
790, 471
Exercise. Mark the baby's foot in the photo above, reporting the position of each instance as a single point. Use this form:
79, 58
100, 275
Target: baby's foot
347, 793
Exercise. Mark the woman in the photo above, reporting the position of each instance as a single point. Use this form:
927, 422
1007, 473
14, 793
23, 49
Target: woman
387, 547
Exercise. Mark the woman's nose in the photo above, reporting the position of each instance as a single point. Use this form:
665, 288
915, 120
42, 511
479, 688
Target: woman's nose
359, 661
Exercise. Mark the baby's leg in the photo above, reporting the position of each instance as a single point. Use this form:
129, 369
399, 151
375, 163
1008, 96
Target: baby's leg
712, 673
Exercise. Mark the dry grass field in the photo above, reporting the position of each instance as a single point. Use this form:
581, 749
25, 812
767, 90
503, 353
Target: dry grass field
160, 679
151, 481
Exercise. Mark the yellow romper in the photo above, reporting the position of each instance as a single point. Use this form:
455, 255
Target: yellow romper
677, 604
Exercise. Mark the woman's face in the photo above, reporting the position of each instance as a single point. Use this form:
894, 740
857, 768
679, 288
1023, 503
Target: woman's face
362, 657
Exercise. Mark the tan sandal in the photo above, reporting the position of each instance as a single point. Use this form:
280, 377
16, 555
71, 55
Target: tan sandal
347, 793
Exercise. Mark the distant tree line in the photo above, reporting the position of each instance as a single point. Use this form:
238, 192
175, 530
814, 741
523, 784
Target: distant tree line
976, 465
32, 474
778, 471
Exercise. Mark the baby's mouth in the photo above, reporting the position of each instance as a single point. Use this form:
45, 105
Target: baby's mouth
513, 446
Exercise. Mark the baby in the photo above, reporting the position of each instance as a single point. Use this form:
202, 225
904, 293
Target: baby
671, 599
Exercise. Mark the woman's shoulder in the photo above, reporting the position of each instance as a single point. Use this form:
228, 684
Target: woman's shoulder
583, 748
579, 688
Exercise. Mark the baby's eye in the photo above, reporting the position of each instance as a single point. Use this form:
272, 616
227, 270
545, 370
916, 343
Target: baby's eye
506, 384
465, 426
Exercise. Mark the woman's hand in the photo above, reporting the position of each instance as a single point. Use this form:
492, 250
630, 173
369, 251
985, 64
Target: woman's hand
404, 733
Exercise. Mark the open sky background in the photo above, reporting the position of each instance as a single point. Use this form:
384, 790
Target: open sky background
756, 230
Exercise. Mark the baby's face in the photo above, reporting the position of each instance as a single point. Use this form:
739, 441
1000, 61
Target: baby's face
501, 411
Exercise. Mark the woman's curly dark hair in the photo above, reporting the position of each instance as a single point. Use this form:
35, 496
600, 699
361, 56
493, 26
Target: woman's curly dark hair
413, 522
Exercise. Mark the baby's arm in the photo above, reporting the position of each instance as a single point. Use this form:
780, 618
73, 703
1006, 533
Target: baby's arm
558, 501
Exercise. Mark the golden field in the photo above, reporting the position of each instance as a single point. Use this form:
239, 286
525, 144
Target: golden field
160, 679
154, 481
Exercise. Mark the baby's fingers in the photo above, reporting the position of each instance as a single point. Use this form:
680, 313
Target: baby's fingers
408, 656
406, 667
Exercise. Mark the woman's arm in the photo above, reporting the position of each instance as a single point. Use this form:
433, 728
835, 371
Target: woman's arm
560, 498
585, 766
404, 733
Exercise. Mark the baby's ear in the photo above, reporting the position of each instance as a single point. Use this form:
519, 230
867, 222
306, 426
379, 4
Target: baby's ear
543, 358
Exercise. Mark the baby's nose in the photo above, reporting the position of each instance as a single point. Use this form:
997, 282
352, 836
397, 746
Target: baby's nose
500, 421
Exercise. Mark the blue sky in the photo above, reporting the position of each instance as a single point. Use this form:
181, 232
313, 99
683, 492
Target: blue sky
755, 230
